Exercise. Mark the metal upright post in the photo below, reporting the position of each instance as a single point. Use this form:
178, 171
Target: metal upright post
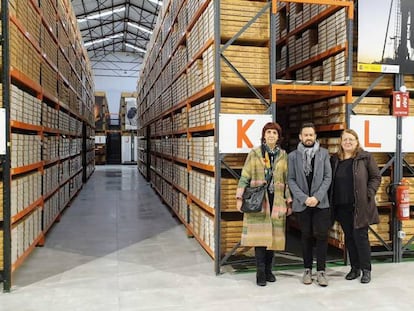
5, 44
272, 37
350, 42
217, 160
349, 63
397, 175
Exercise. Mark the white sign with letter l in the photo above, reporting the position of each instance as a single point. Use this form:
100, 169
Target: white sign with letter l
379, 133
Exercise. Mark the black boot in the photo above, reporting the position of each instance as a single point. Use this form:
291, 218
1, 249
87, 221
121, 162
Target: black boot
260, 254
353, 274
270, 277
366, 276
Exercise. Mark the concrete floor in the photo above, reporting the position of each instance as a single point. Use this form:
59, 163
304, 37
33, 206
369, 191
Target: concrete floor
118, 248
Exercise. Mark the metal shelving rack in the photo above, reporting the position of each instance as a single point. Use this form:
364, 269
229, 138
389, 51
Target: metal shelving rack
5, 223
56, 172
278, 92
308, 91
220, 157
290, 91
282, 91
212, 90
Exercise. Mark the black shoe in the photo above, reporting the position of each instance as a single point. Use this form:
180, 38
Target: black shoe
366, 276
261, 278
270, 277
353, 274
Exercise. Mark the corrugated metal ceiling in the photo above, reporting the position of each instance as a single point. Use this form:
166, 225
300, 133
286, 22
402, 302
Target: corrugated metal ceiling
113, 28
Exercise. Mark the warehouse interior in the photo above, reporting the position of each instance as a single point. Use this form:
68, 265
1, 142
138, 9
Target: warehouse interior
118, 172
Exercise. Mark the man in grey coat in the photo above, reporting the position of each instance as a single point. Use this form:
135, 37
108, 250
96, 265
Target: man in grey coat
309, 178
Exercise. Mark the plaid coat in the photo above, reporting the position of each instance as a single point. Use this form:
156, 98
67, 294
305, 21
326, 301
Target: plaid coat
265, 229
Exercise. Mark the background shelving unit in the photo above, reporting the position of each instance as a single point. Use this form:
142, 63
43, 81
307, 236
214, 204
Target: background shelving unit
128, 121
186, 81
311, 34
101, 126
312, 74
47, 95
197, 66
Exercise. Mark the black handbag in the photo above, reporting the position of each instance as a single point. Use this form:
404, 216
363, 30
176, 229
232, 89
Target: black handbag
253, 198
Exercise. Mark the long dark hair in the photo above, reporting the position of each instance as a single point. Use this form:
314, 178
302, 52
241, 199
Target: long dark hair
272, 126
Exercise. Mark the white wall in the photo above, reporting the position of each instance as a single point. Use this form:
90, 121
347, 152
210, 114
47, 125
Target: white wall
116, 73
113, 87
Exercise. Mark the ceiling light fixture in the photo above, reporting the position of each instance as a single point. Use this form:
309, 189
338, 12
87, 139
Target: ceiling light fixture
135, 48
144, 29
86, 44
157, 2
102, 14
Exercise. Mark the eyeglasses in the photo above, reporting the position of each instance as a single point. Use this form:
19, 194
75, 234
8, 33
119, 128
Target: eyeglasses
351, 140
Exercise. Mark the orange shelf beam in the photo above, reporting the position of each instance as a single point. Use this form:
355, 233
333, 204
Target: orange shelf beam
330, 52
51, 130
300, 88
27, 168
202, 242
27, 210
50, 193
200, 52
207, 127
201, 204
207, 91
331, 127
182, 190
197, 15
25, 80
180, 160
203, 166
25, 126
341, 3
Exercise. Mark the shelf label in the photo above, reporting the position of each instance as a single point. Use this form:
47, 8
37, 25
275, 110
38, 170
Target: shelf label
239, 133
379, 133
130, 113
100, 139
3, 131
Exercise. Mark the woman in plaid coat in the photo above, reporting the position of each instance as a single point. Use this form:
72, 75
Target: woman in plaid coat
265, 231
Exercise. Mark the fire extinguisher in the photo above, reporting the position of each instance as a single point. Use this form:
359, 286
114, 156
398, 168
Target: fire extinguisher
402, 200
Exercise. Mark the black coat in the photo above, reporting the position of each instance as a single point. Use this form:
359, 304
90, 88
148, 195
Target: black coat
367, 179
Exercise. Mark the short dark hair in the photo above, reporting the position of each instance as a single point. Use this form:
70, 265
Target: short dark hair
307, 124
272, 126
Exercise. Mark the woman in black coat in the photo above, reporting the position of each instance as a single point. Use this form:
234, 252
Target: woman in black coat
355, 181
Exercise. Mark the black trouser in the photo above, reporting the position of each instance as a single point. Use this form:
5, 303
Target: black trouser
356, 240
314, 224
264, 259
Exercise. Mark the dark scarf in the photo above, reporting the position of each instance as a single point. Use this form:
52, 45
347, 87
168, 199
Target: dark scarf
269, 158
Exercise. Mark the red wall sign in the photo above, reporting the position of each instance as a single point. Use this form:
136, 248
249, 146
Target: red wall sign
400, 103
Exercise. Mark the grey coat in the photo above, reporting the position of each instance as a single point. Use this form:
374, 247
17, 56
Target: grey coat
367, 179
322, 176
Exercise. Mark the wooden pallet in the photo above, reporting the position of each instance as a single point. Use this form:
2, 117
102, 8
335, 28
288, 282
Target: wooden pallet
242, 105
